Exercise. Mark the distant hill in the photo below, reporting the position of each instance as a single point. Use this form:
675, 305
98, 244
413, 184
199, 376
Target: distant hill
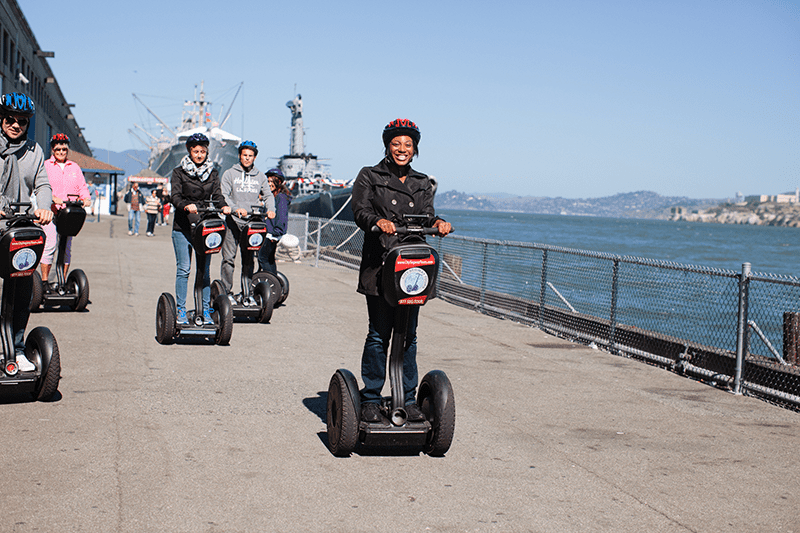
131, 161
641, 204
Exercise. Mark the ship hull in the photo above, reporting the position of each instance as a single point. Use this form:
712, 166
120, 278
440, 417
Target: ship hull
324, 204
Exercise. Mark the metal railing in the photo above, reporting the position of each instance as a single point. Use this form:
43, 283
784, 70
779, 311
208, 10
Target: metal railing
691, 319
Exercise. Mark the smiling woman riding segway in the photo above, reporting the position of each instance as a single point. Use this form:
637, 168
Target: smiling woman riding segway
194, 182
382, 196
70, 197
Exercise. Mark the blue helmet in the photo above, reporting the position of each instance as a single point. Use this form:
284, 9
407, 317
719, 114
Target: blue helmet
248, 144
196, 139
17, 104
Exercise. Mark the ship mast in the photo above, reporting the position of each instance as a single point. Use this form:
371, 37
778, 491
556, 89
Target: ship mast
296, 144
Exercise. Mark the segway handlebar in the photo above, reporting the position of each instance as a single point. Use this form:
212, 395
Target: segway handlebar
74, 200
14, 210
208, 208
410, 230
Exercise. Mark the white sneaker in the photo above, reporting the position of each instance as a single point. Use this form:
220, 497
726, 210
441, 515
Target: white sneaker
130, 233
25, 365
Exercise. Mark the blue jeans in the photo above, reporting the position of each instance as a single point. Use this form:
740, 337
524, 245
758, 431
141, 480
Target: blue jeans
133, 221
376, 351
183, 259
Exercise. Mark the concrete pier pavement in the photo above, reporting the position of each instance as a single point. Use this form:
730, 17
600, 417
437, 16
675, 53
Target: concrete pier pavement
550, 436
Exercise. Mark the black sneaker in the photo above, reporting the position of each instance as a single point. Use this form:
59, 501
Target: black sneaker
370, 412
414, 413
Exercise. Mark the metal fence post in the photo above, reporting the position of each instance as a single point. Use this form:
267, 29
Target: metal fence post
613, 315
542, 291
483, 275
741, 327
441, 261
319, 243
305, 234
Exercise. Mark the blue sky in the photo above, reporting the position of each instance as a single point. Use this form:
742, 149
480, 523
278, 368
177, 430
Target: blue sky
574, 98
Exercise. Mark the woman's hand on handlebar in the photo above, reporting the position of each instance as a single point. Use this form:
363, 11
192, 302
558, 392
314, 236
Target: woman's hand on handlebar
57, 200
87, 202
43, 216
227, 210
387, 226
191, 208
443, 227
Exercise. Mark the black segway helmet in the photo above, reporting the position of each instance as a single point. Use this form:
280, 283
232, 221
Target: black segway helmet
196, 139
18, 104
401, 126
59, 138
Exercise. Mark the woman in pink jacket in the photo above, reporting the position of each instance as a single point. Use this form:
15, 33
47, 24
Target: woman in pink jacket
66, 178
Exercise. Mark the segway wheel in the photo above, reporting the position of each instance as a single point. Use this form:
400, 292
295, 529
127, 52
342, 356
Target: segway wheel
223, 318
78, 282
166, 315
262, 294
274, 284
37, 292
41, 349
216, 289
342, 417
284, 287
435, 399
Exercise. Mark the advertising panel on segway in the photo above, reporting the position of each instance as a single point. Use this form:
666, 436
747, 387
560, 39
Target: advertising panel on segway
257, 298
208, 233
21, 248
408, 276
70, 290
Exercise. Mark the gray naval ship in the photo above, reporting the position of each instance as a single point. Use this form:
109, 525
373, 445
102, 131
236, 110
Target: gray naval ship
313, 190
168, 149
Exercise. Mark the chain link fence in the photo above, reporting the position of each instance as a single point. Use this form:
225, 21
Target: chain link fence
735, 330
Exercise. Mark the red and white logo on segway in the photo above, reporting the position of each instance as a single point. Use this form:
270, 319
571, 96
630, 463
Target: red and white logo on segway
255, 241
24, 260
414, 281
213, 238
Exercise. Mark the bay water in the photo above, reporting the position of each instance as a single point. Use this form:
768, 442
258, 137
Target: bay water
768, 249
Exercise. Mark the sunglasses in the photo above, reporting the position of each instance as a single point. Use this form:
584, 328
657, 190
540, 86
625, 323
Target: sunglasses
22, 121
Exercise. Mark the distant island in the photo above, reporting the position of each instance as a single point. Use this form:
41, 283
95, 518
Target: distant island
641, 204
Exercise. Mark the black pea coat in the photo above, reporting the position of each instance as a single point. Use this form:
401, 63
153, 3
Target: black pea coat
187, 190
377, 194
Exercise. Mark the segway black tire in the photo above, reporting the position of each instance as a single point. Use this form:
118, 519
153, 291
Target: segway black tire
342, 417
216, 289
274, 284
223, 318
262, 294
37, 291
41, 349
78, 281
166, 316
284, 287
435, 399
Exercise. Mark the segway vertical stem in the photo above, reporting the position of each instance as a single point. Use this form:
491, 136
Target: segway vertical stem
9, 289
396, 355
